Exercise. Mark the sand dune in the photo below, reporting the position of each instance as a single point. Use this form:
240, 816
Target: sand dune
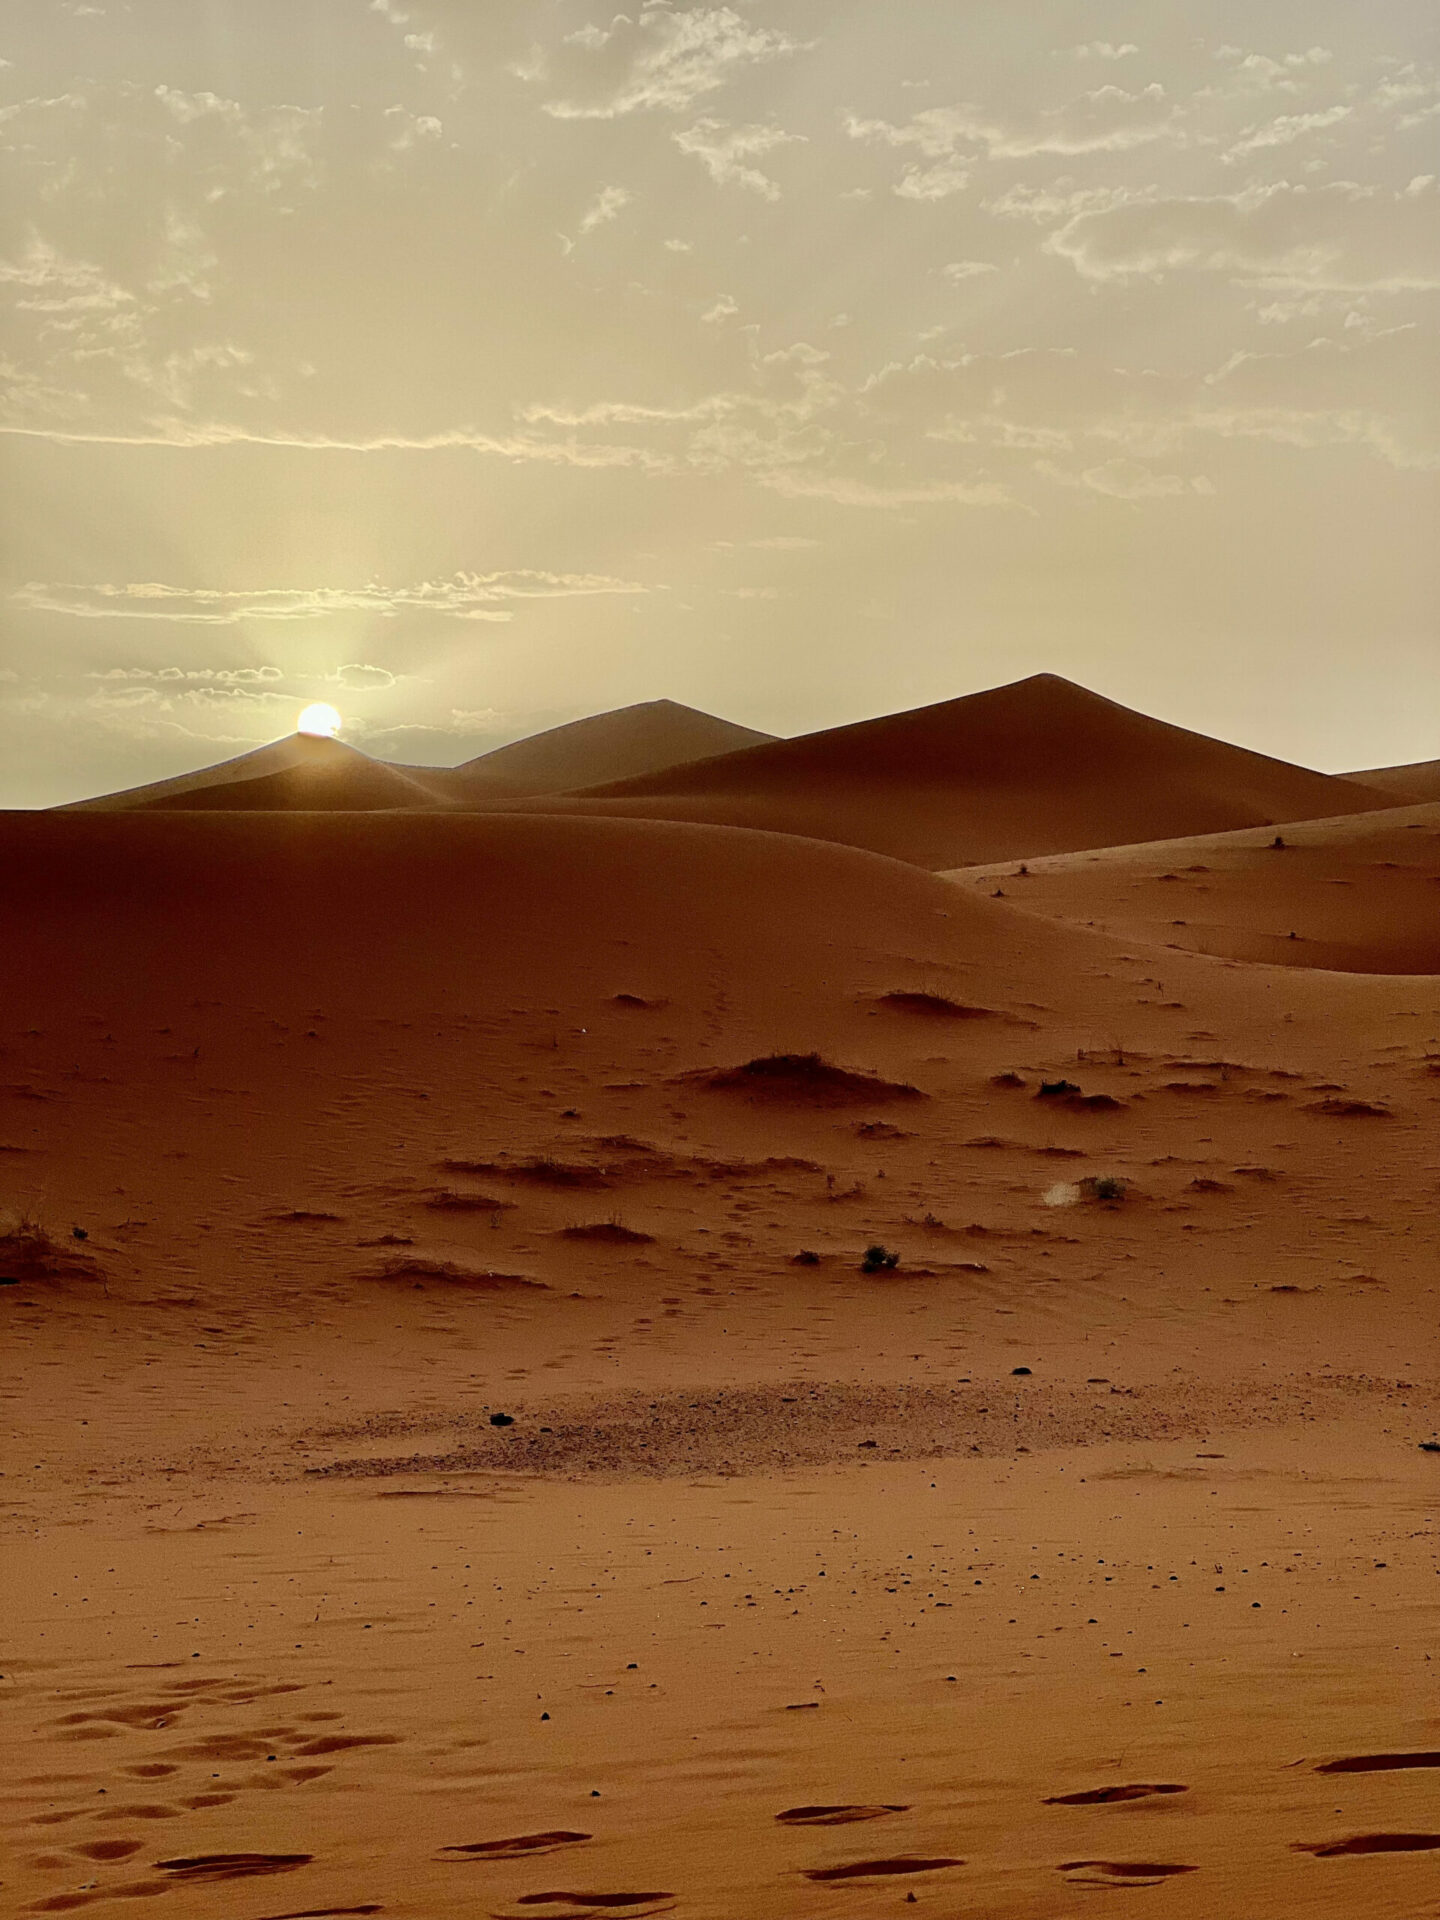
462, 1455
1418, 780
1360, 893
300, 772
631, 741
1041, 766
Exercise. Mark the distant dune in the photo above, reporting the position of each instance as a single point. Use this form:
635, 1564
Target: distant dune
1035, 768
1358, 894
630, 742
302, 771
1418, 780
1041, 766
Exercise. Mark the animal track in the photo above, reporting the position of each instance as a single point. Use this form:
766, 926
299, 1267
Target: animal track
833, 1816
1106, 1796
1370, 1843
874, 1869
522, 1846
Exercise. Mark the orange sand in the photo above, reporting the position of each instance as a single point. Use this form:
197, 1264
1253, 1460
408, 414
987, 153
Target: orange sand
789, 1589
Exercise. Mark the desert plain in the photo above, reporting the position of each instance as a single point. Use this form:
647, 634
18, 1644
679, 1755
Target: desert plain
944, 1205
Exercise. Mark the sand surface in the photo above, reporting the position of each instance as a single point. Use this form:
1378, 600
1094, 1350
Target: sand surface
1359, 894
1086, 1556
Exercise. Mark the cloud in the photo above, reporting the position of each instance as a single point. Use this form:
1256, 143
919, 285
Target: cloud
464, 596
847, 491
1107, 120
959, 270
664, 59
1105, 50
1286, 128
188, 433
357, 678
1062, 200
607, 207
724, 150
1342, 237
1123, 479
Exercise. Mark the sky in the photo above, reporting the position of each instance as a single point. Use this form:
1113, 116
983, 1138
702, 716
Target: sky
477, 364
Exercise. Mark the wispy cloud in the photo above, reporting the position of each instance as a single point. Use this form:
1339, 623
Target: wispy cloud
664, 59
464, 596
725, 152
608, 205
1107, 120
1340, 237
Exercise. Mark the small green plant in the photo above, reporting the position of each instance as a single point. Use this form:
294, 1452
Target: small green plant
879, 1259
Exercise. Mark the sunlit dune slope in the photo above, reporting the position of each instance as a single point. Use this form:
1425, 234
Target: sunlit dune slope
1358, 894
359, 786
1041, 766
1418, 780
625, 744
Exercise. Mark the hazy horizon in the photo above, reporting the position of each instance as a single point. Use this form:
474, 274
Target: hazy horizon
479, 369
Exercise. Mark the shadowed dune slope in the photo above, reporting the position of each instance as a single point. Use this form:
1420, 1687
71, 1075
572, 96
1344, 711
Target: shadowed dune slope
1357, 894
1041, 766
361, 911
1418, 780
626, 744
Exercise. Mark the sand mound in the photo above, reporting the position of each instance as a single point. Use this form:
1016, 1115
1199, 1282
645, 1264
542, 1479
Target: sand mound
802, 1077
626, 744
416, 1270
1358, 894
1041, 766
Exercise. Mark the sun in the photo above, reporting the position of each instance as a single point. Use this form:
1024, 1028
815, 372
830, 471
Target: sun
321, 720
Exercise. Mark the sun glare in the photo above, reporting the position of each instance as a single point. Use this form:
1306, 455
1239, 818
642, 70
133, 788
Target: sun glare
321, 720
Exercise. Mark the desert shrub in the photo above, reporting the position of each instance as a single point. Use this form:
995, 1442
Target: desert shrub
1107, 1186
879, 1259
30, 1251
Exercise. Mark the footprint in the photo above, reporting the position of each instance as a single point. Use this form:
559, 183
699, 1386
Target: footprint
522, 1846
326, 1913
1370, 1843
122, 1890
1106, 1796
151, 1770
205, 1867
873, 1869
1136, 1873
833, 1816
593, 1902
1379, 1762
343, 1742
